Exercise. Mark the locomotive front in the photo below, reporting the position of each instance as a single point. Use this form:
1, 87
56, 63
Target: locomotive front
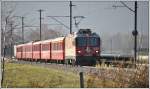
87, 47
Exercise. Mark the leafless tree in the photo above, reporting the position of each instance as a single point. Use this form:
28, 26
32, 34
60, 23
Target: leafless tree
47, 33
6, 30
8, 23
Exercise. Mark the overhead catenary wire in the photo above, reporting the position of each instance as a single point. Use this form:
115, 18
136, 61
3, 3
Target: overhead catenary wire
59, 22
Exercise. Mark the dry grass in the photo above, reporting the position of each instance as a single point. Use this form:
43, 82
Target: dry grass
120, 79
140, 78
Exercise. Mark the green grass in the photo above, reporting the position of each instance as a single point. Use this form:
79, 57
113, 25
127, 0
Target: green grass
28, 76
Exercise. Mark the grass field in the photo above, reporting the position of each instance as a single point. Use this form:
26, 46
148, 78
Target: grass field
28, 76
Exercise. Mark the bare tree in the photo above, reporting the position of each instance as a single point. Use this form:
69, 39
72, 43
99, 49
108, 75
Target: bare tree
33, 35
47, 33
8, 23
6, 30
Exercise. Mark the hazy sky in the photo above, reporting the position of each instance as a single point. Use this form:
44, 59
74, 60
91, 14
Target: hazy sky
100, 16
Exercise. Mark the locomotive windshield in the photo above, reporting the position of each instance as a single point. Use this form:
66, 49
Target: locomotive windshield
91, 41
81, 41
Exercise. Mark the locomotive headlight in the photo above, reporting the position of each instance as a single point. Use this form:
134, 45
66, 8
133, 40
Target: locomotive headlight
79, 51
96, 51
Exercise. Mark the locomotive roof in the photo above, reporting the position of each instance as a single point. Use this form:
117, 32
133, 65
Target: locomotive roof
83, 35
91, 35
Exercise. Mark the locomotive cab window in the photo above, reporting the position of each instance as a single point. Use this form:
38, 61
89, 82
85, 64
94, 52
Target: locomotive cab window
81, 41
93, 41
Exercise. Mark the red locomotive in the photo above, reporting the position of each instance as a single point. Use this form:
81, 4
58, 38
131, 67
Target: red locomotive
80, 48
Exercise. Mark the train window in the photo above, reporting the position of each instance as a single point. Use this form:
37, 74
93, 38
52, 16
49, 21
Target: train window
59, 46
92, 41
28, 48
53, 46
80, 41
36, 48
33, 48
45, 47
19, 49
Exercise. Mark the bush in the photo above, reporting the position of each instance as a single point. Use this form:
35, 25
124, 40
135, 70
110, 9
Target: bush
140, 78
120, 78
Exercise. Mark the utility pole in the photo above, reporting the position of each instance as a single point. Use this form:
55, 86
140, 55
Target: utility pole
71, 16
40, 11
111, 46
22, 23
22, 18
11, 44
135, 33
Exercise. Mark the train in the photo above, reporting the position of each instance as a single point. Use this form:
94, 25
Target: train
78, 48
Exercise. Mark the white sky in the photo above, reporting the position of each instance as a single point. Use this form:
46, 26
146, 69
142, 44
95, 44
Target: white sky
100, 16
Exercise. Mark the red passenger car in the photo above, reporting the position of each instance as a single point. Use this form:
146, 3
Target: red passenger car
23, 51
18, 52
57, 49
37, 51
28, 51
46, 50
